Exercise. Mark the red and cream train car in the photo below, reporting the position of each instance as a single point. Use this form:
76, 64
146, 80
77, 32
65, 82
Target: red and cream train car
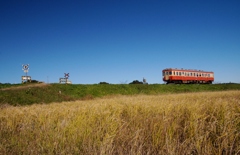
171, 75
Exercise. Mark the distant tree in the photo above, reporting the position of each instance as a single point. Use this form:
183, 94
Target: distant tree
136, 82
32, 81
103, 83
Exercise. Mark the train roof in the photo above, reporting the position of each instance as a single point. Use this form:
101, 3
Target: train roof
186, 70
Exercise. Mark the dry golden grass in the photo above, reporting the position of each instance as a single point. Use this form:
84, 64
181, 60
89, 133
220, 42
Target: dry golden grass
190, 123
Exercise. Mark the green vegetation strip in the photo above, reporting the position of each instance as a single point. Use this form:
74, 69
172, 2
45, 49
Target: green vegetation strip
27, 94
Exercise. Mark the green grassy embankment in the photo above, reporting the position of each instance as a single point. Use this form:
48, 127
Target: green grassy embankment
27, 94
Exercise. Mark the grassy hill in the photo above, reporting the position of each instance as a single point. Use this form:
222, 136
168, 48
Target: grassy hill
27, 94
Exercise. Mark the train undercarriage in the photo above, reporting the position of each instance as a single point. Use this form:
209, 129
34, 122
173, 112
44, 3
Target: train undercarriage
188, 82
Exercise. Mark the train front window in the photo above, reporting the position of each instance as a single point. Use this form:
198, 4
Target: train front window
170, 73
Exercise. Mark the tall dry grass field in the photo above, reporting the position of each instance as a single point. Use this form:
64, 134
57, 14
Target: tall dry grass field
191, 123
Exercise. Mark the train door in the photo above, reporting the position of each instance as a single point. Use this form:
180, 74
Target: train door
165, 75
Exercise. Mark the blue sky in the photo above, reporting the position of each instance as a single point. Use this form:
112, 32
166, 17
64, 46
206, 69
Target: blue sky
118, 41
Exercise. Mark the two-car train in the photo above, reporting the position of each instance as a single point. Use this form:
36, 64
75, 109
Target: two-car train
179, 76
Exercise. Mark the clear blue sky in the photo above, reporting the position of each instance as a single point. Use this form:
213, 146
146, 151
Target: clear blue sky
118, 41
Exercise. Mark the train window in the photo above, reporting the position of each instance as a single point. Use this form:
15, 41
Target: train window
190, 74
176, 73
170, 73
208, 75
166, 73
180, 73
